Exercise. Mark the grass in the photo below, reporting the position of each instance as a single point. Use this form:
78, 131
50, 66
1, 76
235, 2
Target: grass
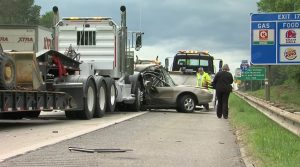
286, 95
270, 144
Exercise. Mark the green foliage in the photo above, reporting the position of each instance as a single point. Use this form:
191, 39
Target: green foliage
47, 20
269, 143
293, 73
278, 75
19, 12
278, 5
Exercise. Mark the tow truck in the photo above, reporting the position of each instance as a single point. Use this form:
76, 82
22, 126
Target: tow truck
185, 65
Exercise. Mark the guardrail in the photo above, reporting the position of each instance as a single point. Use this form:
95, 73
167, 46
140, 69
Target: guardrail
286, 119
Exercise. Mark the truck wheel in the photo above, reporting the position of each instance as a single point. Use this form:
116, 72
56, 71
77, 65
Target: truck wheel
70, 114
186, 104
89, 101
136, 106
32, 114
7, 72
12, 115
111, 95
101, 100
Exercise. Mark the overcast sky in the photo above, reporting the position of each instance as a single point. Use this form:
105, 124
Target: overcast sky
221, 27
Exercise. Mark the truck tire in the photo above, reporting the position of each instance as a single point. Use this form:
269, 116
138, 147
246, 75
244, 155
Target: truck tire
101, 100
71, 114
136, 106
89, 101
11, 115
32, 114
186, 104
111, 95
7, 72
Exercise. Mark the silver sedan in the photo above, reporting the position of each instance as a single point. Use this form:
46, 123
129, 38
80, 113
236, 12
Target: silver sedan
160, 91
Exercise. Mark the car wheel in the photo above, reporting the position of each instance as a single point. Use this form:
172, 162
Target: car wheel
186, 104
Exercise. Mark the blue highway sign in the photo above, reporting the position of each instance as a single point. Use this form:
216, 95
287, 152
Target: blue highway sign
275, 38
244, 65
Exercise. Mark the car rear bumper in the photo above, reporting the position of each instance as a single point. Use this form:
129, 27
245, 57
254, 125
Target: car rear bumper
204, 99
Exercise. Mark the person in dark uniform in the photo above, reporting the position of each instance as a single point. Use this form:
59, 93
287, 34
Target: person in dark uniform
222, 83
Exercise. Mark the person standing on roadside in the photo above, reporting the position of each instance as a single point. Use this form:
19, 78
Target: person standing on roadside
222, 83
203, 80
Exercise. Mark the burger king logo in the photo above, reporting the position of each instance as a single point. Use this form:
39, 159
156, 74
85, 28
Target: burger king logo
290, 54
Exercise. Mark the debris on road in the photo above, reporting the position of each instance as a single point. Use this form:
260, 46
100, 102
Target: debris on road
105, 150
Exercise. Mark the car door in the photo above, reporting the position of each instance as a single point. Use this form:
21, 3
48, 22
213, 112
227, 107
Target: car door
162, 90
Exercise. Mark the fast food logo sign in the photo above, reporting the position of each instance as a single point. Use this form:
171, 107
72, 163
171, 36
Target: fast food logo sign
263, 35
290, 54
290, 36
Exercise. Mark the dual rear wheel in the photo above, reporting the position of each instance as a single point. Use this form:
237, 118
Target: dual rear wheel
101, 100
97, 100
111, 95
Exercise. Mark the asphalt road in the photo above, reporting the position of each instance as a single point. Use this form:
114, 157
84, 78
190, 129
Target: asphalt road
155, 138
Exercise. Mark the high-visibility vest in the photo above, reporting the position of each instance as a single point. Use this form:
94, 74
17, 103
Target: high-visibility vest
203, 80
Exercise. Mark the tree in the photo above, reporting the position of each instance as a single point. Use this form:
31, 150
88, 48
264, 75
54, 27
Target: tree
281, 74
278, 5
47, 20
19, 12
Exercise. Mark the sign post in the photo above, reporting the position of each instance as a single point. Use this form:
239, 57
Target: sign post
267, 83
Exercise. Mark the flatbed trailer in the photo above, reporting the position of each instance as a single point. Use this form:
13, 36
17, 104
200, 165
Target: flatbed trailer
24, 103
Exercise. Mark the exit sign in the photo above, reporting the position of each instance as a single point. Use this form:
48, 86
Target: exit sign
275, 38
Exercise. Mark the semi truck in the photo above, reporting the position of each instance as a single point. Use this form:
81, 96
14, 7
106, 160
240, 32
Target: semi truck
186, 63
86, 74
25, 38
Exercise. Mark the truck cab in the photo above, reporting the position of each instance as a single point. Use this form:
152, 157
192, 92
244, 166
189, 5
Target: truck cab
186, 63
97, 40
190, 61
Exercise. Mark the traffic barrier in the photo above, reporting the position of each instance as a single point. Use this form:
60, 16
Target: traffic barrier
286, 119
